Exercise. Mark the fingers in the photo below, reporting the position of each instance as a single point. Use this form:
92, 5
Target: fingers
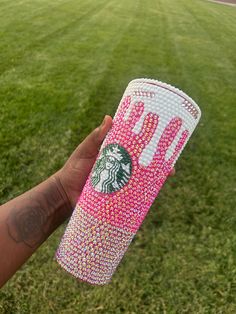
104, 128
172, 172
94, 140
90, 146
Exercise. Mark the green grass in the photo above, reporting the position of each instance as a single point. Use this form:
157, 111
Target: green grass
63, 65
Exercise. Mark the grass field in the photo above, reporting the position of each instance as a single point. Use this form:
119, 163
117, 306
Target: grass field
63, 65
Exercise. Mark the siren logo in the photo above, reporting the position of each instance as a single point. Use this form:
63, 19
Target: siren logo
112, 169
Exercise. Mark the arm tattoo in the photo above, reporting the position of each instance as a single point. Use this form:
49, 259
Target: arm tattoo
26, 225
35, 218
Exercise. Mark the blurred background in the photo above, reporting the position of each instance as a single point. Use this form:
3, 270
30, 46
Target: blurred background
64, 64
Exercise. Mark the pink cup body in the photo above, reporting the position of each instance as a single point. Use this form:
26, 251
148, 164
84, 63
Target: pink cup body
150, 129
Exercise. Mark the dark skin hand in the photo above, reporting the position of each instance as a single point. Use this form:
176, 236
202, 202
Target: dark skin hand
74, 174
29, 219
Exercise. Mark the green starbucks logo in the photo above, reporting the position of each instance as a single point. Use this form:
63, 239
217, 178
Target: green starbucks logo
112, 169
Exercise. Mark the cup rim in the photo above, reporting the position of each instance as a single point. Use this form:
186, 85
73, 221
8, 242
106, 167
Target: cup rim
169, 87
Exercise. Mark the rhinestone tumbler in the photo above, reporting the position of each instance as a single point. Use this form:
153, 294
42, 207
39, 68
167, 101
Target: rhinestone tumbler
152, 125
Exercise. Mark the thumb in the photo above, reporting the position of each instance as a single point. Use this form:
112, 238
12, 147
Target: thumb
90, 146
104, 128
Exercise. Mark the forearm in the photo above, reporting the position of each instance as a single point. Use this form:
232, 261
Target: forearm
27, 221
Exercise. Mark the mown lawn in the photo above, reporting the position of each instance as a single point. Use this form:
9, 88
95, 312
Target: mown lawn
63, 65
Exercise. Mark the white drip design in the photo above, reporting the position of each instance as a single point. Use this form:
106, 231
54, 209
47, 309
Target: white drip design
167, 104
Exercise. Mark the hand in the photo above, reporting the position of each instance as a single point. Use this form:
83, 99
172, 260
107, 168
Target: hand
73, 175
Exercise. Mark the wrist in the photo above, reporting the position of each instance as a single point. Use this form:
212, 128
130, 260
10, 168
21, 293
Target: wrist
59, 189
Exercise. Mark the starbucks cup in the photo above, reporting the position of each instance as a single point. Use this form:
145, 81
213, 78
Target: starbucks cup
152, 125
